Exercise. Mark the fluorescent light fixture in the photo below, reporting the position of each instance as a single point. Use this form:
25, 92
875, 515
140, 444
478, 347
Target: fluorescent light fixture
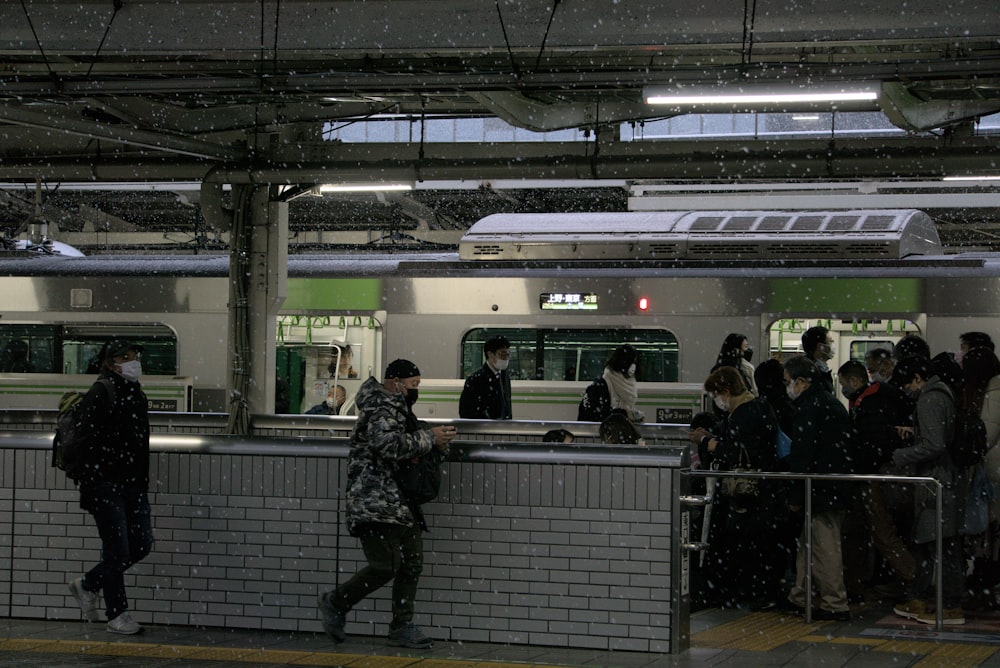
805, 117
363, 187
757, 94
971, 178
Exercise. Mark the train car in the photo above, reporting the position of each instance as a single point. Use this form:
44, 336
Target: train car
565, 289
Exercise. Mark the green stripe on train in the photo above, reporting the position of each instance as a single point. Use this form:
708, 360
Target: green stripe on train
659, 401
342, 294
846, 295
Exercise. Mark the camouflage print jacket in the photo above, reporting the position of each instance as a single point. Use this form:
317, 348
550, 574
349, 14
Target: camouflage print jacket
378, 441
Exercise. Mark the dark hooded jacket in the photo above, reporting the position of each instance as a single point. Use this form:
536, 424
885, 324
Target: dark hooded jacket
379, 441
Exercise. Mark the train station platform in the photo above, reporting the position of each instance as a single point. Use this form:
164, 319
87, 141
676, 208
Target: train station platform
874, 637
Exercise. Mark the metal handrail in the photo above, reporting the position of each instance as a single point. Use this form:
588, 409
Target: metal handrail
846, 478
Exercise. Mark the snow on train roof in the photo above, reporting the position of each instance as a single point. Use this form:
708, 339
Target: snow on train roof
361, 264
702, 235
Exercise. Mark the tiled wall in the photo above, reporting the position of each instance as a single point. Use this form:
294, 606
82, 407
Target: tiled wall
548, 554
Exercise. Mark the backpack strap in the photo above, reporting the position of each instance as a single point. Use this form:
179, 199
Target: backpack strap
109, 386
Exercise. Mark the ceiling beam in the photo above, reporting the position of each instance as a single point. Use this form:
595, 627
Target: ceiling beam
157, 141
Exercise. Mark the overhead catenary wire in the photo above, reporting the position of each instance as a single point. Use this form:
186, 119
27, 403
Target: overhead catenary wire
118, 4
38, 42
545, 37
506, 40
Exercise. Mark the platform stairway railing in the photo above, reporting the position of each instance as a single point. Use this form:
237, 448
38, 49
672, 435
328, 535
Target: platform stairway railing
712, 476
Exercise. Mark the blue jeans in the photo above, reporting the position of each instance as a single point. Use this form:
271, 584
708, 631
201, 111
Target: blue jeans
123, 521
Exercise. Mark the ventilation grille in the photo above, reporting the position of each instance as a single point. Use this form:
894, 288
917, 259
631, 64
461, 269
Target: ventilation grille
487, 250
703, 235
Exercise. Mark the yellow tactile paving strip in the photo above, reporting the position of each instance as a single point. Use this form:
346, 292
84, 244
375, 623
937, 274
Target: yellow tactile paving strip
238, 655
765, 631
757, 632
936, 654
761, 632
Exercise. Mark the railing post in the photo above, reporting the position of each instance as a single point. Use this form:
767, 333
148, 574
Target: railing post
809, 550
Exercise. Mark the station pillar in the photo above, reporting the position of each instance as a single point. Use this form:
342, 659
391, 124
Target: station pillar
258, 272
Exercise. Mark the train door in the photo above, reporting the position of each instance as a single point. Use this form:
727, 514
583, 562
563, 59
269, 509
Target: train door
852, 339
316, 352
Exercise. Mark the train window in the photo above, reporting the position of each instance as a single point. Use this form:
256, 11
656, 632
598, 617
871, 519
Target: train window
27, 349
860, 348
575, 354
74, 349
852, 338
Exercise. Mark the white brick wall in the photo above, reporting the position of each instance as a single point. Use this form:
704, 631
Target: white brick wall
518, 553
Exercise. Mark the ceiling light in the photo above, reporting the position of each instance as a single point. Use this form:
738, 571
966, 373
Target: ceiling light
971, 178
363, 187
751, 95
805, 117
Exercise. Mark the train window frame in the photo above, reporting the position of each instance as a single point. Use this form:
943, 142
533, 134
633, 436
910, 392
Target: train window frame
660, 363
73, 347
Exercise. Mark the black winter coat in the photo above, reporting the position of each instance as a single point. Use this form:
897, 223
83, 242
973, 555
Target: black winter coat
486, 396
751, 425
876, 410
115, 431
821, 443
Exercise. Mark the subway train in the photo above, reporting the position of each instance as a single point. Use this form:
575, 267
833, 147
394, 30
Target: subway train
565, 289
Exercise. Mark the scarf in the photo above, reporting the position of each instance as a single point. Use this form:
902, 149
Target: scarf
622, 390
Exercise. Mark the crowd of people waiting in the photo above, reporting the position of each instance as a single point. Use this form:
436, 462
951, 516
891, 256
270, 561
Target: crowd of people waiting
870, 539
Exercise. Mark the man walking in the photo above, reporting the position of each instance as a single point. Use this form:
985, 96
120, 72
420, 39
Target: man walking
387, 525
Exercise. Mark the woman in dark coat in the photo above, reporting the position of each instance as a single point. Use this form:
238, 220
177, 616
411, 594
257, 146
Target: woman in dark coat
745, 565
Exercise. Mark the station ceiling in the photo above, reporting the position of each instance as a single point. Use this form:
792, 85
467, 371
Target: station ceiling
113, 91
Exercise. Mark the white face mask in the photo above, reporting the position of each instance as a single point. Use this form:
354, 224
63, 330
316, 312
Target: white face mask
722, 404
131, 370
877, 377
792, 394
631, 370
500, 364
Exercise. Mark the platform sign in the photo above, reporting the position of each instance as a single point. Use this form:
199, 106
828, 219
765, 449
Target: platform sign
568, 301
674, 415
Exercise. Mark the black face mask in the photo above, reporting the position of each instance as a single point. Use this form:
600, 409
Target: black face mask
411, 396
748, 354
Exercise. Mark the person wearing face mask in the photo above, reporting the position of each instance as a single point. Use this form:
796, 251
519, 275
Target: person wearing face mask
927, 455
876, 409
879, 364
972, 340
615, 390
333, 403
821, 443
817, 344
114, 482
486, 395
737, 353
378, 514
744, 563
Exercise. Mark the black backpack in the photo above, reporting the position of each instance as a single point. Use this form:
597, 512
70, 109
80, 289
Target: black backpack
596, 403
969, 444
68, 448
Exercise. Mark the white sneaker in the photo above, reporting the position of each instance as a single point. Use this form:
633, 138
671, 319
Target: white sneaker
124, 624
86, 599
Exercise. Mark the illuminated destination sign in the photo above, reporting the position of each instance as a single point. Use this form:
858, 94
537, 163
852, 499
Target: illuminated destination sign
568, 301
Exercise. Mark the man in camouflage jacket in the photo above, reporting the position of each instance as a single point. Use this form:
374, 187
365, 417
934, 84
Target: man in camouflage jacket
388, 528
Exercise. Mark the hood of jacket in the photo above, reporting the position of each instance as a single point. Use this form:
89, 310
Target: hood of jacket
372, 395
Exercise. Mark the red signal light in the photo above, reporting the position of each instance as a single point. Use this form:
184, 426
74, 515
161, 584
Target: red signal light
643, 303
